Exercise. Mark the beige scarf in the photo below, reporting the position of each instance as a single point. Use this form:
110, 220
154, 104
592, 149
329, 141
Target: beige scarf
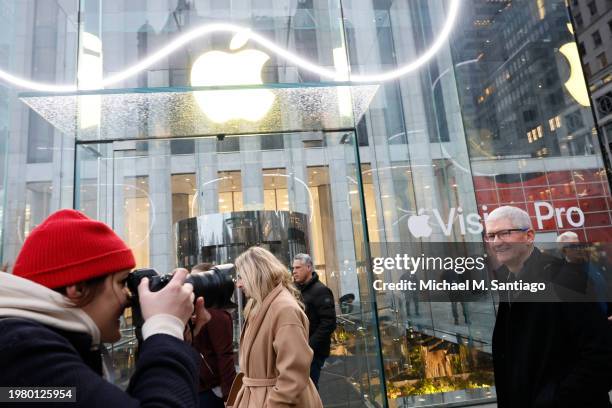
26, 299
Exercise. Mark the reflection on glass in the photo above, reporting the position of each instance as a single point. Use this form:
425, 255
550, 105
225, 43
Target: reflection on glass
136, 203
38, 205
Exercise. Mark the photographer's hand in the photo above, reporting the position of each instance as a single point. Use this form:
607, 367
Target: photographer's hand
175, 299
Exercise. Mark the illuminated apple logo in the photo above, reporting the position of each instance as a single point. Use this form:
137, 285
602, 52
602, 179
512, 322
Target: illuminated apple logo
575, 84
419, 225
217, 68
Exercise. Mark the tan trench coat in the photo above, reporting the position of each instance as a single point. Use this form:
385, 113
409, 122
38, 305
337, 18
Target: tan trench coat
275, 357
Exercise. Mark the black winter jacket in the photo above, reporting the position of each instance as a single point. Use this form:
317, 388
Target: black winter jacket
551, 354
32, 354
321, 312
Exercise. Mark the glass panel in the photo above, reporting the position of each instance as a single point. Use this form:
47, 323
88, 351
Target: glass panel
415, 158
164, 112
531, 138
7, 15
368, 331
94, 181
38, 204
116, 35
145, 57
297, 197
498, 116
37, 42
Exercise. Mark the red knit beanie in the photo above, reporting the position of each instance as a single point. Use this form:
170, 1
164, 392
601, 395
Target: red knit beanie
68, 247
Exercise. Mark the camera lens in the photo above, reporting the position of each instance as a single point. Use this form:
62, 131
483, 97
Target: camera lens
216, 285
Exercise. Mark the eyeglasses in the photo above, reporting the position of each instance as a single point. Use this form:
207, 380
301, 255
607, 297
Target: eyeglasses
503, 234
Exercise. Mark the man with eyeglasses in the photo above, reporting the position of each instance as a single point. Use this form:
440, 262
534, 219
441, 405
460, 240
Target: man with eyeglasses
573, 251
545, 354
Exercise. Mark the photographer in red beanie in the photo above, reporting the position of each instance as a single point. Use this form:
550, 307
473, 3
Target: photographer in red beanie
64, 299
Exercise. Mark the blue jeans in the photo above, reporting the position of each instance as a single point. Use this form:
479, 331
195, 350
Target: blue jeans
315, 369
208, 399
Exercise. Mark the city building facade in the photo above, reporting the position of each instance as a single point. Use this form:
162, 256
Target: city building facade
356, 119
593, 22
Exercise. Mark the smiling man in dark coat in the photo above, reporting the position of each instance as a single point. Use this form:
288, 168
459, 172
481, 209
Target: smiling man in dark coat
545, 354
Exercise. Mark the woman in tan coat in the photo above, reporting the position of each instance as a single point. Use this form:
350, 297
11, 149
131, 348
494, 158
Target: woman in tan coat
274, 353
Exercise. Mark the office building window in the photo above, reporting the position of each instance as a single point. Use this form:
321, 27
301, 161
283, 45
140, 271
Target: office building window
592, 8
596, 38
578, 19
603, 61
581, 49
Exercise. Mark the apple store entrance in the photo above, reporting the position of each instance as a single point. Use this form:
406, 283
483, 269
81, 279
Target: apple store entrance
182, 201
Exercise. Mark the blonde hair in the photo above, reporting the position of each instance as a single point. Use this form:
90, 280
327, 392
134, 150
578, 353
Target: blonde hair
261, 272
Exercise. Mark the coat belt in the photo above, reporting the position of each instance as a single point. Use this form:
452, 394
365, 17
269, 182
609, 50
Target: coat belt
258, 382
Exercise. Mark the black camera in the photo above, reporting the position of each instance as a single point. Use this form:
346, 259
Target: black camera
215, 285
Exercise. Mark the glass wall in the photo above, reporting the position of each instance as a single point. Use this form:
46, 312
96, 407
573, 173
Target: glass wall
151, 196
498, 115
128, 32
38, 41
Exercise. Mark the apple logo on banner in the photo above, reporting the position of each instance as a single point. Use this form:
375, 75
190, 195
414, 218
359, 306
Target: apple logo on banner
217, 68
419, 225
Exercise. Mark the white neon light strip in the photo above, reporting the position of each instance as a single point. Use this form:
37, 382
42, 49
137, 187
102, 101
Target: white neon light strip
189, 36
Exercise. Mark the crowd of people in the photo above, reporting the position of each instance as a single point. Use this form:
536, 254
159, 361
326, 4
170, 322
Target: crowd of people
67, 292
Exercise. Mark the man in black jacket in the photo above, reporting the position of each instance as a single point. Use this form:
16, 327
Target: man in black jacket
319, 302
545, 354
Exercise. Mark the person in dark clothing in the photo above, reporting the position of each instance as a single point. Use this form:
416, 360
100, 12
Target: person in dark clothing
215, 345
455, 297
545, 354
64, 300
346, 303
582, 272
320, 309
411, 296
